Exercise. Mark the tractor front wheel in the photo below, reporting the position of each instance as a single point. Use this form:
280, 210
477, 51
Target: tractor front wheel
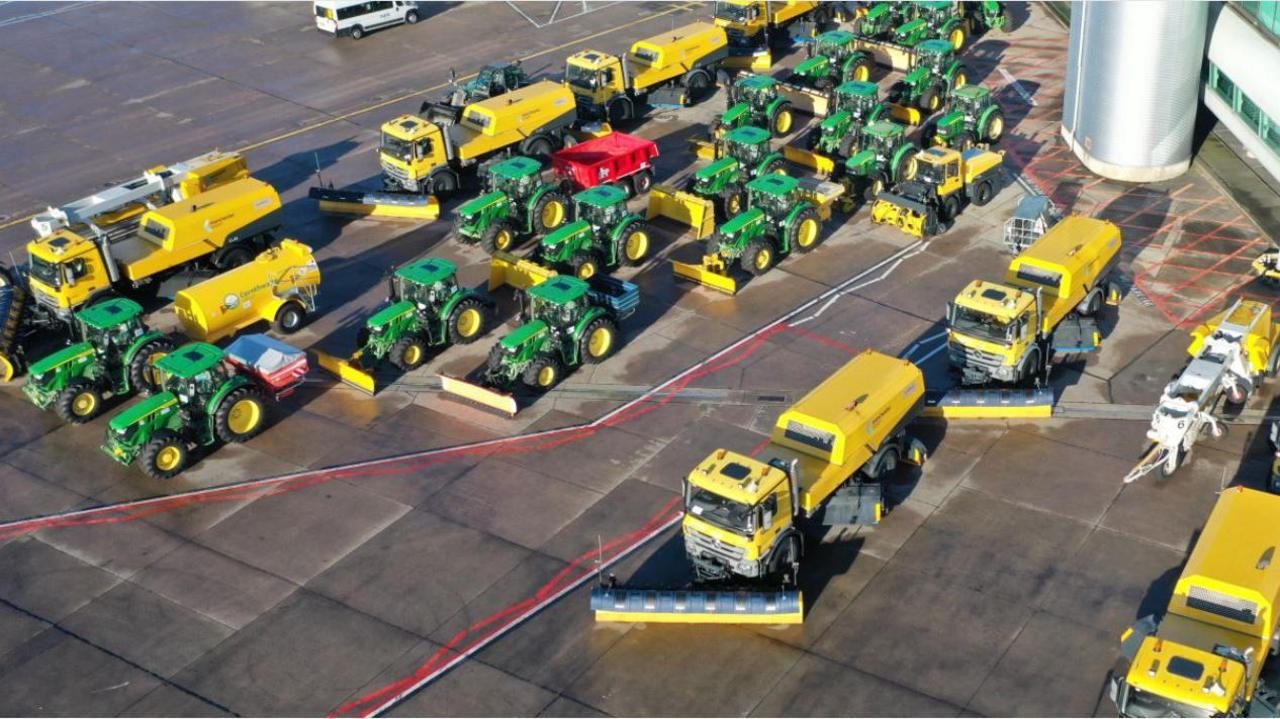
636, 243
550, 213
599, 341
875, 185
964, 141
164, 456
803, 233
585, 265
759, 257
143, 378
930, 100
950, 207
500, 236
542, 374
240, 416
408, 354
79, 402
730, 204
782, 120
995, 127
468, 321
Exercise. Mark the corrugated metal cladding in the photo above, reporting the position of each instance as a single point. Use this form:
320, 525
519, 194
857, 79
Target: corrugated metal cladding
1133, 77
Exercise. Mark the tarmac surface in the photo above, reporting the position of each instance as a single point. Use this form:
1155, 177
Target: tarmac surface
375, 555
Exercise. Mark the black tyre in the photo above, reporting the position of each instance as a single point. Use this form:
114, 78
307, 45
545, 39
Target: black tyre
846, 146
782, 120
408, 354
78, 402
859, 70
357, 32
241, 415
930, 100
539, 147
500, 236
636, 243
1091, 304
759, 257
697, 87
469, 320
888, 462
642, 182
950, 207
165, 456
1030, 367
290, 317
411, 17
233, 256
806, 232
444, 183
812, 137
875, 185
731, 203
995, 127
776, 166
142, 374
599, 341
542, 374
982, 193
551, 211
618, 111
586, 265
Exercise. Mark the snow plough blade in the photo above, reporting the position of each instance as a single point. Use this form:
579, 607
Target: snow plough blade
480, 395
617, 604
686, 208
712, 272
348, 370
507, 269
377, 204
819, 163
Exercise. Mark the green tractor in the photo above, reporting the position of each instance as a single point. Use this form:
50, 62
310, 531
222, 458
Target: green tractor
778, 221
207, 397
879, 20
935, 75
990, 15
887, 157
833, 58
605, 235
517, 203
755, 101
972, 116
493, 79
567, 321
934, 20
115, 359
854, 106
747, 154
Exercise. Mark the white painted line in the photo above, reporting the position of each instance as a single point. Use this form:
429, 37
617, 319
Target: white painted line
843, 289
1017, 87
36, 16
935, 351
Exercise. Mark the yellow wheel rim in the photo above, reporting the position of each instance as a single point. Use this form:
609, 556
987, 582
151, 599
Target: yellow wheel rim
938, 140
412, 354
762, 259
876, 187
862, 72
552, 214
996, 128
961, 79
84, 404
469, 322
6, 369
808, 233
784, 122
600, 341
244, 416
909, 171
735, 204
168, 458
957, 38
503, 239
637, 245
546, 376
586, 270
933, 103
150, 373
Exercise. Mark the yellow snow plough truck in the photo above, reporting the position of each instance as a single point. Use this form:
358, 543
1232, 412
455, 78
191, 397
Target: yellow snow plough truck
1207, 655
756, 27
826, 463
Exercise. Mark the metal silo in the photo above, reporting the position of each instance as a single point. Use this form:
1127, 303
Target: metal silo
1133, 78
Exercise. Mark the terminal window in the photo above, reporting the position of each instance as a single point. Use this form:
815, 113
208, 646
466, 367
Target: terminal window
1266, 12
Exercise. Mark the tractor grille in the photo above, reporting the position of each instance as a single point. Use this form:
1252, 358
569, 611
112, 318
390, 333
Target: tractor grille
701, 544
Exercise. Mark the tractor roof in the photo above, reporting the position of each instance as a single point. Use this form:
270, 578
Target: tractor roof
934, 4
773, 184
935, 47
516, 168
190, 360
885, 128
601, 196
748, 135
971, 92
861, 88
836, 37
111, 313
427, 271
559, 290
757, 82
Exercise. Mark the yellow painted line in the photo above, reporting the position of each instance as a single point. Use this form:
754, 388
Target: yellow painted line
401, 98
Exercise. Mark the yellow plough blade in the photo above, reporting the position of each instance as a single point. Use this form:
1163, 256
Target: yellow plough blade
820, 164
377, 204
697, 607
704, 149
991, 404
348, 370
891, 55
684, 207
592, 131
760, 61
806, 100
478, 394
907, 115
712, 273
507, 269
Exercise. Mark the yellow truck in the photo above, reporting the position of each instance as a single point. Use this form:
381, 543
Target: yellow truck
676, 67
223, 227
432, 156
826, 461
1207, 655
755, 26
1008, 331
279, 286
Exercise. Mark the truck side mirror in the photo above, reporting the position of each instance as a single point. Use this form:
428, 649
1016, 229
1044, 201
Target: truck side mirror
767, 521
951, 312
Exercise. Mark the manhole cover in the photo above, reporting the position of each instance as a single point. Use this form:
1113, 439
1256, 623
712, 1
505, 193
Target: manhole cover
664, 117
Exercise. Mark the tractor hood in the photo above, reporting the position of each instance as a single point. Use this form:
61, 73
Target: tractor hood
816, 65
917, 76
831, 123
479, 204
734, 114
910, 27
82, 351
741, 221
389, 314
862, 161
950, 120
141, 410
711, 171
566, 233
525, 333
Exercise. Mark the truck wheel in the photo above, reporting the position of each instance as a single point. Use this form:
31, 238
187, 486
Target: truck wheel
79, 402
585, 265
982, 193
642, 182
782, 120
950, 207
411, 17
618, 111
758, 258
290, 317
232, 257
1092, 303
1030, 366
444, 183
542, 374
537, 146
599, 341
803, 233
498, 236
143, 378
164, 456
408, 354
888, 462
550, 213
860, 70
357, 32
469, 319
636, 243
240, 416
697, 87
786, 563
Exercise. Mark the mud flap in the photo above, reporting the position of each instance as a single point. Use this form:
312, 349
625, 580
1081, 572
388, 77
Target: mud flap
686, 208
805, 100
507, 269
615, 604
712, 273
485, 397
349, 371
861, 503
990, 404
377, 204
1077, 334
821, 164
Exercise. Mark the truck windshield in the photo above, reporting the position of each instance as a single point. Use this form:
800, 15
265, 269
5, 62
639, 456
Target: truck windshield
45, 272
580, 77
400, 149
721, 511
733, 13
1139, 703
970, 322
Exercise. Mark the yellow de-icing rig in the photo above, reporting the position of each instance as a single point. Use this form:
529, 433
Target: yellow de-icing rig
827, 460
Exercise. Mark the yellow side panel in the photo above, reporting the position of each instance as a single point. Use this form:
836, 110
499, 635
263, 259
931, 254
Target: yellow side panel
684, 207
805, 100
820, 164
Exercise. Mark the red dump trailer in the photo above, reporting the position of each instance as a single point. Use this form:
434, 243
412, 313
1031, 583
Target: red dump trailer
616, 157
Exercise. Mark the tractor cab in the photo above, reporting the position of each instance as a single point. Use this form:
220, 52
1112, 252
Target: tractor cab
971, 100
835, 45
427, 283
111, 326
858, 98
935, 56
939, 167
192, 373
602, 206
882, 137
757, 91
775, 195
748, 145
516, 177
558, 302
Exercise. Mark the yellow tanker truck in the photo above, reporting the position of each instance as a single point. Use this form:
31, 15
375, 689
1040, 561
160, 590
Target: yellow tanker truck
754, 27
826, 461
1207, 655
432, 156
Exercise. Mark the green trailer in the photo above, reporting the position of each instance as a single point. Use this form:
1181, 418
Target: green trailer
517, 203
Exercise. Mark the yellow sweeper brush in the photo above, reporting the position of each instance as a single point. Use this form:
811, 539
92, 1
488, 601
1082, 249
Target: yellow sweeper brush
477, 394
382, 205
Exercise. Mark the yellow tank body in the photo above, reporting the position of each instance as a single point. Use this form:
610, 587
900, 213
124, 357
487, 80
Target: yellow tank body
1066, 263
670, 55
493, 124
223, 305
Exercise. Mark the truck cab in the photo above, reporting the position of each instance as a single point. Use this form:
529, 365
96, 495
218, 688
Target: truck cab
595, 78
410, 149
736, 508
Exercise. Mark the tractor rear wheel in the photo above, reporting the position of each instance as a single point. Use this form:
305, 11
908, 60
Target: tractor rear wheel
290, 317
500, 236
542, 374
240, 416
956, 37
585, 265
995, 127
79, 402
408, 354
982, 193
468, 321
859, 70
599, 341
164, 456
782, 120
637, 240
803, 233
143, 378
550, 213
759, 257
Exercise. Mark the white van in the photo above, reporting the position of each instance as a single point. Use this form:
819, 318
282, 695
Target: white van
358, 18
